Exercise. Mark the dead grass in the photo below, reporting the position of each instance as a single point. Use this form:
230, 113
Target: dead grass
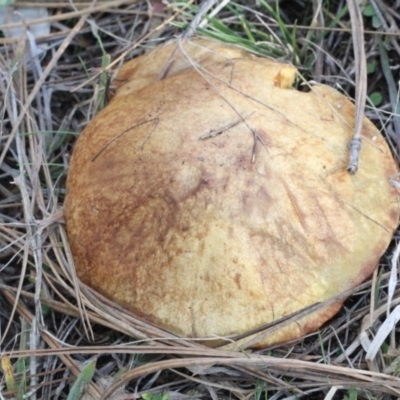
51, 325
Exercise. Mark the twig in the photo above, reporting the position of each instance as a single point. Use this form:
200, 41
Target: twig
217, 131
203, 72
190, 31
361, 83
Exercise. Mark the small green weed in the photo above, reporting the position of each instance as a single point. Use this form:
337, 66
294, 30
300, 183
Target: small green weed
159, 396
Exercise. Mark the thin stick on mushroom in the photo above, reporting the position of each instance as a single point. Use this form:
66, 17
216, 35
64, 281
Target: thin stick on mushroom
218, 131
190, 31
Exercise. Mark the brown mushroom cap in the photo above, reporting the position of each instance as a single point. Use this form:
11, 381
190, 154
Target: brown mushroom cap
168, 215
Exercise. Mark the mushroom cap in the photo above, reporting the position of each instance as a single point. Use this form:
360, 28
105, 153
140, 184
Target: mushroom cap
217, 200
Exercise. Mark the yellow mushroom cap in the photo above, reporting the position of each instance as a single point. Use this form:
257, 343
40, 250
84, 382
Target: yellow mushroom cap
216, 200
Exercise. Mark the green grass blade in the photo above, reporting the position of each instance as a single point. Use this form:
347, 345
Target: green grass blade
22, 366
103, 83
83, 379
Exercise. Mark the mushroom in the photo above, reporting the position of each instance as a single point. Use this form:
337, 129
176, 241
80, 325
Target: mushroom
216, 200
